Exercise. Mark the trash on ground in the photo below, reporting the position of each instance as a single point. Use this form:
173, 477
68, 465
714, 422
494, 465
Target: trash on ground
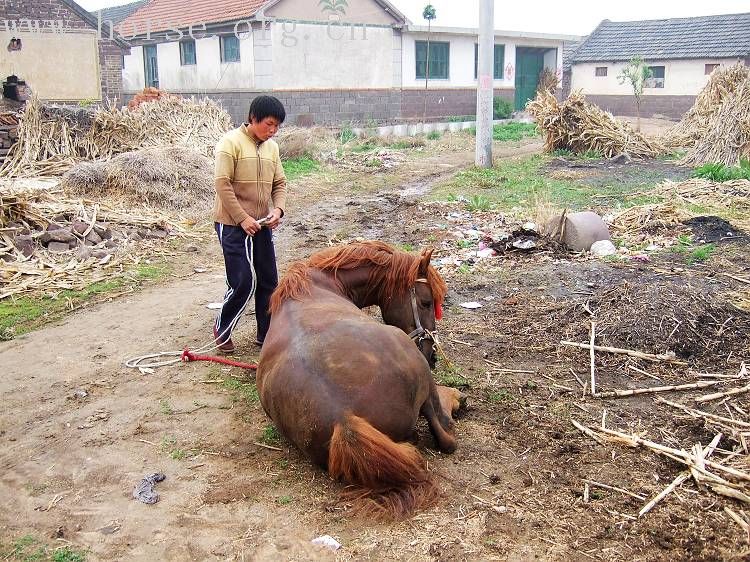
145, 492
327, 540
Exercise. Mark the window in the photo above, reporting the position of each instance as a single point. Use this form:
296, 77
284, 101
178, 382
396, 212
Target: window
439, 59
230, 48
499, 61
657, 77
710, 68
187, 53
600, 71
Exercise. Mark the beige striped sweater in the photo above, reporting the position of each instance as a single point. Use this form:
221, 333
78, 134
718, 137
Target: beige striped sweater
249, 178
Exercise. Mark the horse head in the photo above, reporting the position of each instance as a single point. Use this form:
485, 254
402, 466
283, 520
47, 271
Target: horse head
416, 310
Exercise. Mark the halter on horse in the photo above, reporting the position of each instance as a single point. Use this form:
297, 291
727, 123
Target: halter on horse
347, 389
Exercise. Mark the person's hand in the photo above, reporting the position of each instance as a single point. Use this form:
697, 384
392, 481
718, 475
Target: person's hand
274, 218
250, 225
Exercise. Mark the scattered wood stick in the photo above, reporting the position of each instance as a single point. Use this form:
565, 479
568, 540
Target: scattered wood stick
591, 357
654, 389
587, 431
723, 490
615, 489
641, 371
640, 355
702, 414
678, 480
740, 279
681, 456
737, 519
718, 395
462, 343
577, 377
267, 446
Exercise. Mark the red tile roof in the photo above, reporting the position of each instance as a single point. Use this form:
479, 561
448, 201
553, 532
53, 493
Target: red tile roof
167, 14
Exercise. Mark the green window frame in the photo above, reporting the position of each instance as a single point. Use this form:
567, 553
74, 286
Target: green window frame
187, 53
230, 48
439, 59
498, 63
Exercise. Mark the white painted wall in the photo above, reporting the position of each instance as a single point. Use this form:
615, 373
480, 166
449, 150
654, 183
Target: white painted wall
57, 66
209, 73
133, 79
322, 56
681, 77
461, 70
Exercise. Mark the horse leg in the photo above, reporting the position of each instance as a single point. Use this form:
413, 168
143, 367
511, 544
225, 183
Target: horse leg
441, 425
451, 400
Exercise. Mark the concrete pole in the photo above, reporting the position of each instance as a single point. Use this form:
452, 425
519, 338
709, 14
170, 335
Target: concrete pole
483, 157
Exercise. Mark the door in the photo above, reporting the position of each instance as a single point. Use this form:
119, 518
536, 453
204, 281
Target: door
529, 65
151, 66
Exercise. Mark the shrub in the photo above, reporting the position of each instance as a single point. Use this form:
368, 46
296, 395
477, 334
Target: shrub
501, 108
720, 172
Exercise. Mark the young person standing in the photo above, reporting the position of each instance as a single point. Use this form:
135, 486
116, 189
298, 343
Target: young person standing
250, 197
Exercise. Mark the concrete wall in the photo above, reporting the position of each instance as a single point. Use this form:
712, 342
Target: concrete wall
209, 73
109, 53
672, 107
681, 77
461, 64
55, 77
359, 11
323, 56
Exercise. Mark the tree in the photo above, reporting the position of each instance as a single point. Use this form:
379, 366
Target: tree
636, 73
429, 14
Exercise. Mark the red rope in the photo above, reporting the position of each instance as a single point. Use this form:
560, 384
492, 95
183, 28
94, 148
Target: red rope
188, 355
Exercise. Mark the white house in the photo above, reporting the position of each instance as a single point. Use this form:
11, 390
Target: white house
329, 62
680, 52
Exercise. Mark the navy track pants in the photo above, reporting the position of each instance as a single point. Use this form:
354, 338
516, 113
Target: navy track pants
250, 263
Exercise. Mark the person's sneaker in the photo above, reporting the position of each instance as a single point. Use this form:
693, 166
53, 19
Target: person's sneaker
227, 346
258, 343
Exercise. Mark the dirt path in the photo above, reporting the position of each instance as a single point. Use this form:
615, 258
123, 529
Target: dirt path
79, 430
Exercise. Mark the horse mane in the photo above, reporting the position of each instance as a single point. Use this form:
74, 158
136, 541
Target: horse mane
392, 271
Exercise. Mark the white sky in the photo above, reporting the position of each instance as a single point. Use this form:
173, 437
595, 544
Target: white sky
545, 16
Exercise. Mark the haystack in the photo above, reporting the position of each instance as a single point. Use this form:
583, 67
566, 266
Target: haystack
699, 120
580, 127
51, 140
163, 177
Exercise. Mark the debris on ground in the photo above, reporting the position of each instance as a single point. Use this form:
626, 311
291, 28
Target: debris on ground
717, 128
164, 177
50, 243
369, 161
580, 127
145, 492
51, 139
327, 541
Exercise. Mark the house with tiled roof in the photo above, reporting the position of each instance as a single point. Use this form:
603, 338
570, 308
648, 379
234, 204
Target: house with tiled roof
329, 61
116, 14
60, 51
681, 52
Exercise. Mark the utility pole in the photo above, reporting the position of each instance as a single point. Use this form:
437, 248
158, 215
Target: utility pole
483, 157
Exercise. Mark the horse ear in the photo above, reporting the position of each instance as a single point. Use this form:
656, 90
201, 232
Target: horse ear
424, 261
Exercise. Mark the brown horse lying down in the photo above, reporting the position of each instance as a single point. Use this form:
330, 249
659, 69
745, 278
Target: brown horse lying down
347, 389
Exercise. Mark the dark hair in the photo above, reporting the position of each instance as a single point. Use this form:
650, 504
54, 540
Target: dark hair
266, 106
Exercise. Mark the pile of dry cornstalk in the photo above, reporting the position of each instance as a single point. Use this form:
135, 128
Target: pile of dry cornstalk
580, 127
732, 194
717, 127
51, 140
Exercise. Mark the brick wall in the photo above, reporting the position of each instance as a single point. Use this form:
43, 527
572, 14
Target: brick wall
360, 107
670, 106
110, 53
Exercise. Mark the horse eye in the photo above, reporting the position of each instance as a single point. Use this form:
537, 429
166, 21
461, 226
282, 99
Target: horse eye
427, 304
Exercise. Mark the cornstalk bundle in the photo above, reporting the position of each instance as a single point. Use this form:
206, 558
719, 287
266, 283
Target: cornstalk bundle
649, 217
727, 138
51, 140
698, 120
579, 126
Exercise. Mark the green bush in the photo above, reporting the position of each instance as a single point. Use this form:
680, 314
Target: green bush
501, 108
720, 172
433, 135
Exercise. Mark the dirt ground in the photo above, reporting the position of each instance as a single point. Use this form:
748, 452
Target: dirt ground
79, 430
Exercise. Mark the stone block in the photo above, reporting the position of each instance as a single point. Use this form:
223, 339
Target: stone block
580, 230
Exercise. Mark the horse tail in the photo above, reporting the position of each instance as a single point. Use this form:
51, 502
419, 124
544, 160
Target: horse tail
390, 480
